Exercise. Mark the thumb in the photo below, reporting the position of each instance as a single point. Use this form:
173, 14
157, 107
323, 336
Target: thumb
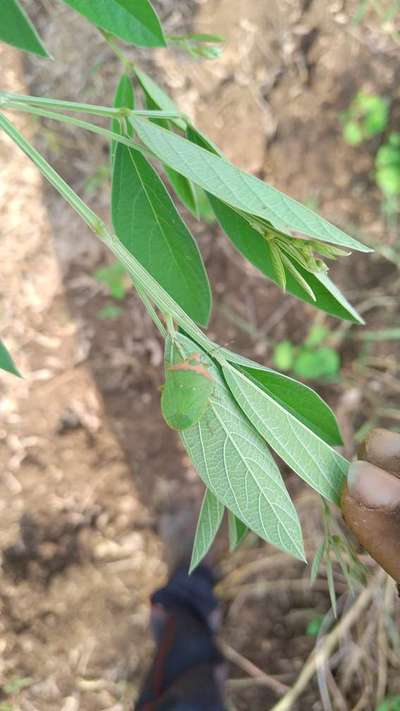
371, 508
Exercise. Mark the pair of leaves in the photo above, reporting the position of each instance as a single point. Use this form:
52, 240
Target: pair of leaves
129, 20
147, 222
250, 409
237, 466
208, 525
17, 29
6, 362
188, 193
133, 21
239, 189
259, 252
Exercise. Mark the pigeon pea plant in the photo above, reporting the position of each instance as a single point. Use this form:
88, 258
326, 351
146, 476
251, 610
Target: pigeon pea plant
230, 411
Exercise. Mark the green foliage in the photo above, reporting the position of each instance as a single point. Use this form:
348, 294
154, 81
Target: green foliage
367, 116
314, 626
202, 46
146, 221
135, 22
336, 547
229, 410
17, 684
387, 166
242, 191
257, 250
187, 390
236, 465
308, 455
114, 276
16, 29
237, 531
312, 360
109, 312
298, 399
124, 97
390, 704
6, 362
210, 519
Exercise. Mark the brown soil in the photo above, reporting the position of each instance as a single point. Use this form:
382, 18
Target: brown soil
88, 465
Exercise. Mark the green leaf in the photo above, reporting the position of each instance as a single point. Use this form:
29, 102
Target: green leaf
314, 626
157, 96
237, 531
352, 133
17, 684
331, 585
16, 29
316, 564
322, 362
124, 97
6, 362
237, 466
114, 276
237, 188
208, 524
110, 311
147, 223
130, 20
299, 400
184, 189
284, 353
309, 456
255, 248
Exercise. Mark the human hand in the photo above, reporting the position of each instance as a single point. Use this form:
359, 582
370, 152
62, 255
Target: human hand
371, 499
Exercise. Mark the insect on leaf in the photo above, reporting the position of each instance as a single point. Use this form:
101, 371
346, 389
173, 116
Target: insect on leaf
209, 521
236, 464
187, 390
16, 29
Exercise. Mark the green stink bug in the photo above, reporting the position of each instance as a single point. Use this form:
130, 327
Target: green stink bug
186, 393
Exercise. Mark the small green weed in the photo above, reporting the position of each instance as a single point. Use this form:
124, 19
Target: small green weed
314, 626
313, 360
391, 704
115, 278
366, 117
387, 166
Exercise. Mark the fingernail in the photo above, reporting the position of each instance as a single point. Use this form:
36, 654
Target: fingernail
372, 486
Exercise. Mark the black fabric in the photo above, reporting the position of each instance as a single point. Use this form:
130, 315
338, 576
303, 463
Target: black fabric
183, 675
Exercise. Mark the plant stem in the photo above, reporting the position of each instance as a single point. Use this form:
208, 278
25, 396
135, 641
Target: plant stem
323, 651
65, 118
151, 311
7, 98
142, 279
129, 66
